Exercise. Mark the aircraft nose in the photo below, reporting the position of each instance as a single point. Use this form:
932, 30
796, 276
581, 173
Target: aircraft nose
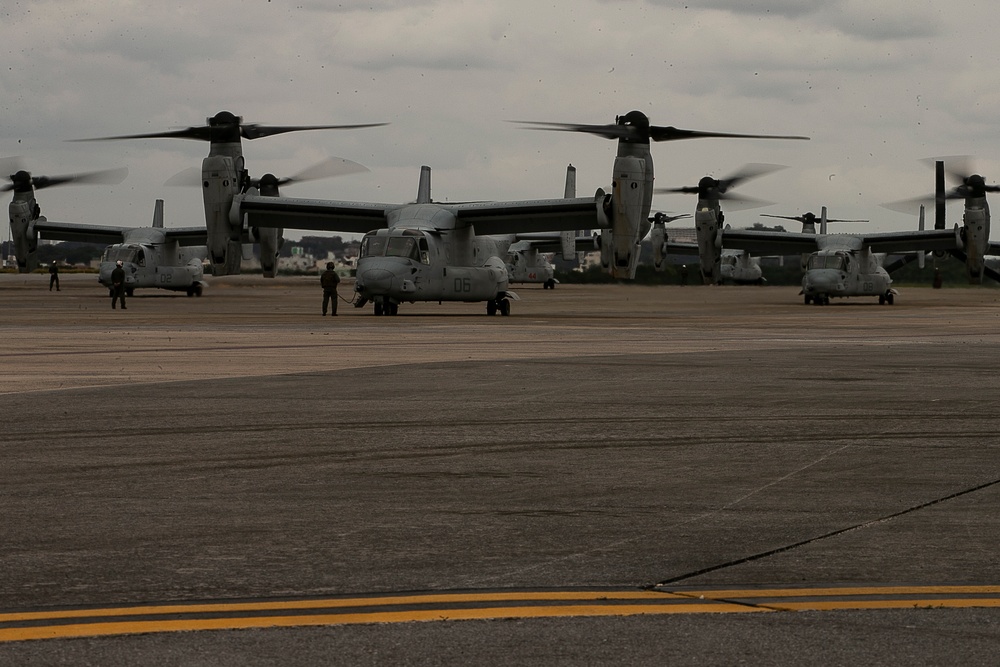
376, 280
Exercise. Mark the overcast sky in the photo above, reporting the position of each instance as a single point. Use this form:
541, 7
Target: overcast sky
878, 85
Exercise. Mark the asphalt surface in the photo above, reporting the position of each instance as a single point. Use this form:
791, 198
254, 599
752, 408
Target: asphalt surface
240, 447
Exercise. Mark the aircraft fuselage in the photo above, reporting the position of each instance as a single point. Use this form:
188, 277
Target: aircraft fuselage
843, 273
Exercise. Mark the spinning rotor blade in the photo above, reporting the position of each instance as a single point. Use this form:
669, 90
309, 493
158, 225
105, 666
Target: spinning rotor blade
226, 127
334, 166
268, 183
634, 126
808, 217
660, 216
718, 189
959, 168
24, 180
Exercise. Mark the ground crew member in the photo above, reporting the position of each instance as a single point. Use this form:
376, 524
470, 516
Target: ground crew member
53, 275
118, 285
329, 280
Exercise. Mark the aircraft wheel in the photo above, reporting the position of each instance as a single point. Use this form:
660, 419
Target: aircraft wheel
129, 292
808, 299
378, 308
491, 307
505, 307
888, 298
392, 309
198, 289
881, 299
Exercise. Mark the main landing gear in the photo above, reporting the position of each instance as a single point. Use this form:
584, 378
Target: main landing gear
885, 299
387, 308
818, 299
501, 305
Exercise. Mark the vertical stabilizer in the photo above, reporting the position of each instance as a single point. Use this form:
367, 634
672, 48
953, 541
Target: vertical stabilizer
939, 195
921, 255
424, 188
158, 214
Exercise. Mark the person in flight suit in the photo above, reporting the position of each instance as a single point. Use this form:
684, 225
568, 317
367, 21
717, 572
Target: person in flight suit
118, 285
53, 275
329, 280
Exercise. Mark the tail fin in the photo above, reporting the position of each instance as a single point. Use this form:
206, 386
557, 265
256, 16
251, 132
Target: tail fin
158, 214
424, 188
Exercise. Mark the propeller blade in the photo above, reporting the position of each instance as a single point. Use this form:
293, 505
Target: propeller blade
748, 172
606, 131
741, 203
254, 131
104, 177
669, 133
226, 127
190, 177
334, 166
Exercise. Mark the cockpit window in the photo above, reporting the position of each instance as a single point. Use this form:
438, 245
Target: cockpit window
827, 262
114, 253
372, 246
402, 247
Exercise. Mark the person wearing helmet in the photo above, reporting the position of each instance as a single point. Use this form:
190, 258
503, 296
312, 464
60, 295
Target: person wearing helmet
53, 275
118, 285
329, 280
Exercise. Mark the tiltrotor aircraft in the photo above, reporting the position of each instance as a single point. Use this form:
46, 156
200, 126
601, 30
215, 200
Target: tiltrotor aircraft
974, 235
223, 176
166, 258
736, 267
436, 252
632, 183
24, 213
709, 218
841, 265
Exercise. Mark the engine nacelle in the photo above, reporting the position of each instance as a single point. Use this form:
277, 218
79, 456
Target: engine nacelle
23, 234
975, 237
658, 237
220, 180
709, 231
628, 195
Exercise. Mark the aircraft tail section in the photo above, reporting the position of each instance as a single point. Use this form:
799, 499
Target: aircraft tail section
158, 214
424, 187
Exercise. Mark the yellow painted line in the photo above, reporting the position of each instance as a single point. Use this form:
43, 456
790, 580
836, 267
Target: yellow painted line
509, 604
337, 603
179, 625
827, 592
833, 605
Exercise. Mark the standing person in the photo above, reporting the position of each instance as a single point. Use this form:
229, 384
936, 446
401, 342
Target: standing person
329, 280
118, 285
53, 275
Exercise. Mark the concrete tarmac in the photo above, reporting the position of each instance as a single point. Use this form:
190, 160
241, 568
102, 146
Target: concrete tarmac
241, 447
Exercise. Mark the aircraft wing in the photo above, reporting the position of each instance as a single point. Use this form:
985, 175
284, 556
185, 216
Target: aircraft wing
681, 248
537, 215
73, 231
551, 242
187, 236
761, 242
930, 239
313, 214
